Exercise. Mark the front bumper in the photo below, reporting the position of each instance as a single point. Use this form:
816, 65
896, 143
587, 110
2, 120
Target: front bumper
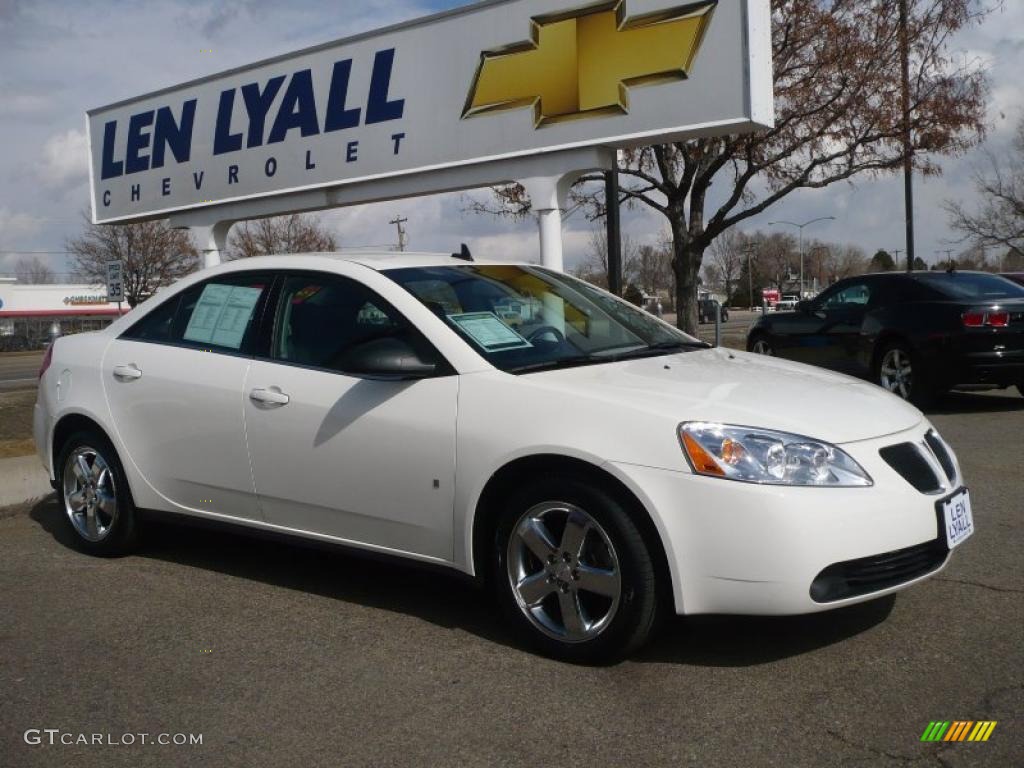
741, 548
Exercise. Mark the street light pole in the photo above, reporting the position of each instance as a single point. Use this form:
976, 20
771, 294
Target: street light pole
801, 228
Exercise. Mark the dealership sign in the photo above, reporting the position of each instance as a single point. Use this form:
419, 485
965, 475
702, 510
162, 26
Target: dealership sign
489, 82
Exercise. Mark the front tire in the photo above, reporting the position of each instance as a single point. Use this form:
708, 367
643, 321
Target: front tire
95, 497
572, 572
762, 345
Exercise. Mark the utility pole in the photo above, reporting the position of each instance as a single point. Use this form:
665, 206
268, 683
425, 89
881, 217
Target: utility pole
949, 255
749, 250
908, 149
398, 221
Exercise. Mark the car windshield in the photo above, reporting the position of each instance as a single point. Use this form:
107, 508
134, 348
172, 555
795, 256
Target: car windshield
972, 285
525, 318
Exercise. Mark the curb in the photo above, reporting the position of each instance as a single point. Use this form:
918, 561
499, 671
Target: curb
23, 479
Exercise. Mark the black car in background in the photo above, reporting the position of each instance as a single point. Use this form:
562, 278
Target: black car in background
917, 334
706, 311
1017, 277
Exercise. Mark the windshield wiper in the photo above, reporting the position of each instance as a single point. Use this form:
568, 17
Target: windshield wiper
654, 350
564, 362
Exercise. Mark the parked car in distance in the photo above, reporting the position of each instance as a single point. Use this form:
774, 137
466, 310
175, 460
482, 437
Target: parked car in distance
592, 465
916, 334
787, 303
706, 311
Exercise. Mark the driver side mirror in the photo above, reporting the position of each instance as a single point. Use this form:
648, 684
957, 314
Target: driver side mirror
388, 357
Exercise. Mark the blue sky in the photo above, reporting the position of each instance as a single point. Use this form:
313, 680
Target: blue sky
59, 59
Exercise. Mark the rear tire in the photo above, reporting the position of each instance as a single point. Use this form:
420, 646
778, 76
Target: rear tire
94, 495
572, 572
899, 370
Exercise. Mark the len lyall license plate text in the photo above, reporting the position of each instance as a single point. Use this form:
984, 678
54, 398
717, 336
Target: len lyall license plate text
956, 513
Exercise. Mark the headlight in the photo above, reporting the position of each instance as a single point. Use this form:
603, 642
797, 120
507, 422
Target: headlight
765, 456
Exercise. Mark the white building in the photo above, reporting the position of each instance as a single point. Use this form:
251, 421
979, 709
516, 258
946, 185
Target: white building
30, 315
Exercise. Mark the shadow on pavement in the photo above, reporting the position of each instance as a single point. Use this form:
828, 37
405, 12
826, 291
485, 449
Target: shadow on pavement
744, 641
997, 401
450, 601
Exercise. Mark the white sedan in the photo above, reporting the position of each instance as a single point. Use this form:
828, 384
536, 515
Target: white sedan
593, 465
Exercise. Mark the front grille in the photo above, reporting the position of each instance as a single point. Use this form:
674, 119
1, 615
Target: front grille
907, 459
942, 454
872, 574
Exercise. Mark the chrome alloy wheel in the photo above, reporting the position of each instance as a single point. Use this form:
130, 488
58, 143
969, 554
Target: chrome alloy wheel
564, 572
762, 347
90, 498
896, 374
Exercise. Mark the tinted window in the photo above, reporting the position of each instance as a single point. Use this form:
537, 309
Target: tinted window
848, 296
522, 318
321, 319
972, 285
216, 314
156, 325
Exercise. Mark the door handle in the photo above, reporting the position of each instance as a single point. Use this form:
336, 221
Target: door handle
127, 372
269, 396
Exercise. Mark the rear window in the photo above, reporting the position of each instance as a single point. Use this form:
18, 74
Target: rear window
972, 285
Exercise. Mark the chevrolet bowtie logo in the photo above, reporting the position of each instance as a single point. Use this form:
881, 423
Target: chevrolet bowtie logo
580, 63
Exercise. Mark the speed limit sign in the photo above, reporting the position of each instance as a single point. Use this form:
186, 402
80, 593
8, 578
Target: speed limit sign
115, 281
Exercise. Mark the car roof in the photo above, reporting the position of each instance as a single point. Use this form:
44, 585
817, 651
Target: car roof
378, 260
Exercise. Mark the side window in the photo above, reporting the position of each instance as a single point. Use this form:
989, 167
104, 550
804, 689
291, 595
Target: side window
322, 318
156, 325
854, 295
215, 314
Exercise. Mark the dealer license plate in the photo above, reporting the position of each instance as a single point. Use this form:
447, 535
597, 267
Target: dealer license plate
957, 517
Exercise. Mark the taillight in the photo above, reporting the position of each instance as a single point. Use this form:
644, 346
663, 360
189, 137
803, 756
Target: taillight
47, 359
999, 319
978, 319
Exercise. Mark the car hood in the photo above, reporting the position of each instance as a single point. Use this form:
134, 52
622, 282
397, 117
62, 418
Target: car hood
733, 387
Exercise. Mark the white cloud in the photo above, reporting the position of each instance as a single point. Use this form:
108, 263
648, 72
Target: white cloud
15, 225
65, 160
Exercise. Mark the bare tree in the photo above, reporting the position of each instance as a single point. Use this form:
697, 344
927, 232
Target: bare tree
838, 115
151, 253
727, 257
778, 255
999, 220
297, 233
653, 271
33, 270
594, 267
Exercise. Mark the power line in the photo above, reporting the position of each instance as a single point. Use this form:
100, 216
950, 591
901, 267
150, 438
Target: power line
20, 253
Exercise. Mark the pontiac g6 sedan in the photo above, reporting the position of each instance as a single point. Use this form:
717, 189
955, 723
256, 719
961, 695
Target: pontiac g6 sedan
593, 465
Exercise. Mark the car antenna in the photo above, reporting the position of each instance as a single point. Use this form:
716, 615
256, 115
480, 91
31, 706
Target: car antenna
463, 253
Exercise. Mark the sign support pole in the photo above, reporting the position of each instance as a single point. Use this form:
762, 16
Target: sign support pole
549, 196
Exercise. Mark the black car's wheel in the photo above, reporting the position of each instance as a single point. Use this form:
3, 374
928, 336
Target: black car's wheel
573, 573
94, 493
898, 370
760, 344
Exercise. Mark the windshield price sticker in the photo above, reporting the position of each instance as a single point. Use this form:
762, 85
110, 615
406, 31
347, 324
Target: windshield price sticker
488, 330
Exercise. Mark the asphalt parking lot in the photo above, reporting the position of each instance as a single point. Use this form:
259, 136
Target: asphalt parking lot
282, 655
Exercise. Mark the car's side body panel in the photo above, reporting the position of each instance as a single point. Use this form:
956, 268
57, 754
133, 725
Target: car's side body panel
363, 460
